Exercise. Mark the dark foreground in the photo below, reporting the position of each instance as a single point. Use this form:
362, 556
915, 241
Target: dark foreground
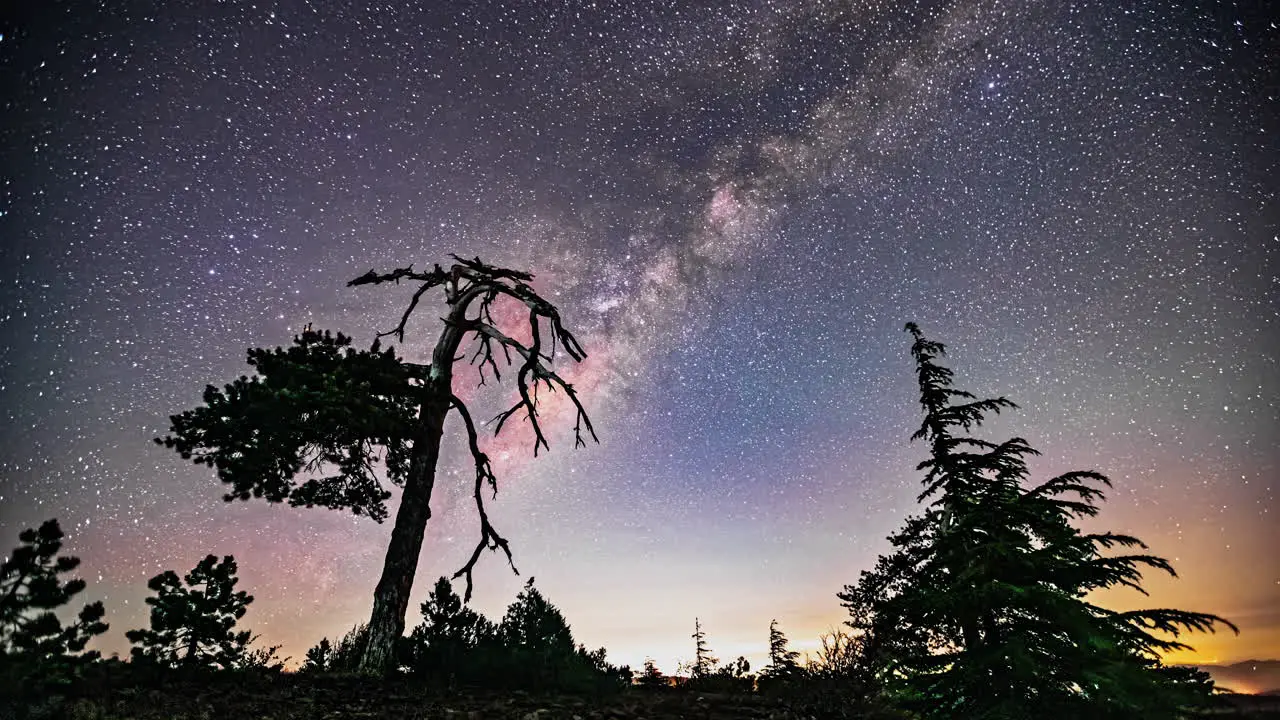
281, 697
284, 696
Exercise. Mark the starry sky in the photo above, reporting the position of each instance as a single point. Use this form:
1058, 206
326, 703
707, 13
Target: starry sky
736, 205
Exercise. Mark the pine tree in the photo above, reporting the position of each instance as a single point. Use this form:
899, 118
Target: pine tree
349, 650
703, 661
193, 626
318, 657
540, 651
533, 623
980, 611
782, 661
30, 592
446, 642
651, 676
327, 412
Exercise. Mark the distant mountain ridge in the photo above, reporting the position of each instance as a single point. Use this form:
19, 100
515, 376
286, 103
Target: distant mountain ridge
1259, 677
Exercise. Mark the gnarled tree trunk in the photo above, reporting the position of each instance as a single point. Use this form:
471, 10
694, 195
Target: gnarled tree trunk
467, 281
391, 597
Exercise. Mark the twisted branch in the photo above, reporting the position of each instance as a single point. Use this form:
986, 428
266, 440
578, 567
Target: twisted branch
467, 281
489, 538
429, 280
541, 375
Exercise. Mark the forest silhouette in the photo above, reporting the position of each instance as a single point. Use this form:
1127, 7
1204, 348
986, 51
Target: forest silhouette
980, 609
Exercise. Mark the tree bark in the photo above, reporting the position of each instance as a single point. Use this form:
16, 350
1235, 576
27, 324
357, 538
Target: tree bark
391, 596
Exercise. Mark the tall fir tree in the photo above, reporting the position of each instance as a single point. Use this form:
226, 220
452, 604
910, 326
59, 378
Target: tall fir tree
981, 609
193, 619
704, 662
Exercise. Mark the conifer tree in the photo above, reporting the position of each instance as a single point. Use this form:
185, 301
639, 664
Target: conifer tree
541, 653
651, 676
193, 619
31, 591
782, 661
533, 623
980, 610
328, 413
446, 641
318, 657
703, 661
349, 650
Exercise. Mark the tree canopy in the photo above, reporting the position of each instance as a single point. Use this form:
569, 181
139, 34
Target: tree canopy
193, 618
31, 592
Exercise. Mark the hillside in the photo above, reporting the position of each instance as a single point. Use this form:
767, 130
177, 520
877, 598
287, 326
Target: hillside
1250, 676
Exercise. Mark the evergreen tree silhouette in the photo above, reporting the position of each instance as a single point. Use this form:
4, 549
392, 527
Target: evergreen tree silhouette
535, 650
193, 619
326, 411
980, 610
31, 591
703, 661
782, 661
349, 650
533, 623
651, 676
447, 643
318, 657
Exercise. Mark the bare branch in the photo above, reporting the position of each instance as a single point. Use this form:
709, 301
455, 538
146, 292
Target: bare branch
492, 271
489, 538
372, 277
540, 373
429, 280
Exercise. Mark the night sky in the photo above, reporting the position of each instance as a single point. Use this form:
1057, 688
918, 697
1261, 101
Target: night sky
736, 206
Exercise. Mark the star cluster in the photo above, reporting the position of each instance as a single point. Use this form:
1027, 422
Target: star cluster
735, 205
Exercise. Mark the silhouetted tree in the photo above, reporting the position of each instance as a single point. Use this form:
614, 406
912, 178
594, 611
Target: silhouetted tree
782, 661
323, 407
532, 622
448, 643
651, 676
980, 611
535, 650
264, 659
349, 650
318, 657
31, 591
703, 661
193, 626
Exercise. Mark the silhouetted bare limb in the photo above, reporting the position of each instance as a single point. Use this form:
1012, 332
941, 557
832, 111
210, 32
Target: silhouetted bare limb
429, 280
540, 373
489, 538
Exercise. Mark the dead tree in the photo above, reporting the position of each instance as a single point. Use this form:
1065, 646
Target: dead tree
466, 283
312, 408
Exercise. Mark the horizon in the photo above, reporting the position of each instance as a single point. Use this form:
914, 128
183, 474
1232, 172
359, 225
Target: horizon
734, 208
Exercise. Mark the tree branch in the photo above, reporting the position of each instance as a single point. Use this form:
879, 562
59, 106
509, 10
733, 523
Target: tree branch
540, 373
489, 538
429, 280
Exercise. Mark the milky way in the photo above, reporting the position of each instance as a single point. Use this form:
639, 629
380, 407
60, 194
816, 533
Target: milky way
736, 206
